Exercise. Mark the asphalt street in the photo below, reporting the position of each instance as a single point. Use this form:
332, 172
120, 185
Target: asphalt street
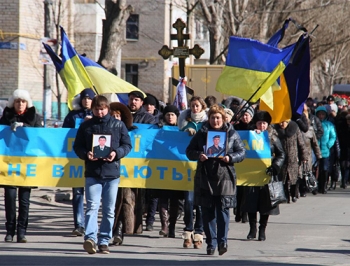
313, 231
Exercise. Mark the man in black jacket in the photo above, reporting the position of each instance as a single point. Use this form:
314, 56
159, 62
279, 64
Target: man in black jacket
101, 175
139, 114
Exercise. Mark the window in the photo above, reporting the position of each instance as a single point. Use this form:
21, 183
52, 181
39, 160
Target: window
132, 74
132, 27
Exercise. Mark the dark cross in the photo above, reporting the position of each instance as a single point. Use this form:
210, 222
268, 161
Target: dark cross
182, 52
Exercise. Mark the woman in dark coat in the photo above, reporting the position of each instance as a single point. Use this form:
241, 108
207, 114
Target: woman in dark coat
19, 112
257, 198
294, 147
215, 179
125, 220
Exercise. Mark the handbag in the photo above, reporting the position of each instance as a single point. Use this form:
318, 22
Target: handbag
336, 176
310, 179
276, 191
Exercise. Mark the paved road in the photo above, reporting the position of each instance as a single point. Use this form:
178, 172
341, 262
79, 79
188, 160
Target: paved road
313, 231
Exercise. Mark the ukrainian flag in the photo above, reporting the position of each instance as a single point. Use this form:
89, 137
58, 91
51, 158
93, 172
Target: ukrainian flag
70, 69
252, 68
294, 85
106, 82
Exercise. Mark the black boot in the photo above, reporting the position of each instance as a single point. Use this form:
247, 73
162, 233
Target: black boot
286, 191
252, 223
118, 234
293, 192
325, 173
262, 227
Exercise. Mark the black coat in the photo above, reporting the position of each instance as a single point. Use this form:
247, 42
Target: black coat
257, 198
120, 143
214, 177
29, 118
143, 117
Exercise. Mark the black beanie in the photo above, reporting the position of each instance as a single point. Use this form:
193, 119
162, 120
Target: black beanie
171, 109
150, 100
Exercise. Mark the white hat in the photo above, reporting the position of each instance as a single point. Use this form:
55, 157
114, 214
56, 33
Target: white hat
20, 94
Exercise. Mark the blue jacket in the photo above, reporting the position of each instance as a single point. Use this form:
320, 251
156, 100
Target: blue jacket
329, 134
120, 143
75, 117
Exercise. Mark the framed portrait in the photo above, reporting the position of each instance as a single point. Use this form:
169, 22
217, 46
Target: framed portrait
216, 144
101, 145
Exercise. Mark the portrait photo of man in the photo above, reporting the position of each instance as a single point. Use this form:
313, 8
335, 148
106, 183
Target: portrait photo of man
215, 149
101, 150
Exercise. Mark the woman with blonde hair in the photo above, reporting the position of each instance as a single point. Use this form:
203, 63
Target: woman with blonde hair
215, 179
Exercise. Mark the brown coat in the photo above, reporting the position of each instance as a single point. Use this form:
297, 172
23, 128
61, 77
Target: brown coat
295, 151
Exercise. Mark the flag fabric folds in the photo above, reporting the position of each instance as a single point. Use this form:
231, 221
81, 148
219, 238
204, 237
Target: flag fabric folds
252, 67
294, 85
70, 69
78, 73
181, 97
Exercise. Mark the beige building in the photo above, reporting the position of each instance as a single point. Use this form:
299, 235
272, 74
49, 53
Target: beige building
148, 29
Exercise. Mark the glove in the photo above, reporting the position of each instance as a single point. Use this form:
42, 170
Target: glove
191, 131
15, 125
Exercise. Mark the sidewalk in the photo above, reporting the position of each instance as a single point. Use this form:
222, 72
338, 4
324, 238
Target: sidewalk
313, 231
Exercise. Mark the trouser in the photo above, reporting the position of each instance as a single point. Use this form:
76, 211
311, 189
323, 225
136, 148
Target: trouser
78, 207
23, 210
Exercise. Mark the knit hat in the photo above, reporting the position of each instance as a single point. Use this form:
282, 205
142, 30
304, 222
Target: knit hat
20, 94
125, 113
229, 113
247, 108
171, 109
334, 107
330, 98
263, 116
87, 93
152, 100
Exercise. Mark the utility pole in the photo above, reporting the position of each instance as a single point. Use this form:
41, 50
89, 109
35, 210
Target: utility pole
47, 72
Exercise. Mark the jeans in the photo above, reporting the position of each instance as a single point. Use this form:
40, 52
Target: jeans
23, 210
151, 210
78, 207
188, 216
216, 220
95, 190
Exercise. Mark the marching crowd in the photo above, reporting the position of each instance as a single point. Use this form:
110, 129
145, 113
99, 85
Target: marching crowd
311, 141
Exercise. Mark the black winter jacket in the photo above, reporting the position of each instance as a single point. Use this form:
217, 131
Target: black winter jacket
120, 143
69, 120
213, 176
29, 118
143, 117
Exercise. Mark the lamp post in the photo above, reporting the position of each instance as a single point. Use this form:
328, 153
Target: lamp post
47, 76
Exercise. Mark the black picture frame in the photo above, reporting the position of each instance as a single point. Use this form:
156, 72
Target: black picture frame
97, 151
216, 144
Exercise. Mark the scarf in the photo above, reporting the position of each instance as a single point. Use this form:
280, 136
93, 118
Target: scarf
199, 117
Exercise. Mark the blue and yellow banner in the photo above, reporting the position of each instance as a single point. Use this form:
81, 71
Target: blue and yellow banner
45, 157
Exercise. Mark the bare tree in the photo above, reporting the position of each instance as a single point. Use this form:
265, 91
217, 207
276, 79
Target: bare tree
117, 13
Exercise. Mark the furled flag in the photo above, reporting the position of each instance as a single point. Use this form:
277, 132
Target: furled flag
181, 98
252, 68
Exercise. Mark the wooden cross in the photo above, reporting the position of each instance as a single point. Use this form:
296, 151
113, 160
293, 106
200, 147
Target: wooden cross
182, 52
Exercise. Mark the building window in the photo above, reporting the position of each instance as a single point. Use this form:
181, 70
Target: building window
132, 27
132, 74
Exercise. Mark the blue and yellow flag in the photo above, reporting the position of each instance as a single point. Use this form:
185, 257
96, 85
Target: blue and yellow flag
70, 69
252, 68
106, 82
294, 82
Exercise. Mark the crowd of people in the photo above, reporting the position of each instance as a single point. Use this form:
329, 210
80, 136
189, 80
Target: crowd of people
310, 140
